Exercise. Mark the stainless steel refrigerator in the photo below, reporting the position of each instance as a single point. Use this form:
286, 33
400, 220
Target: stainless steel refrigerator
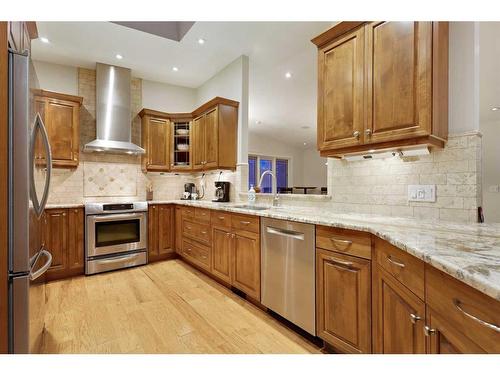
30, 164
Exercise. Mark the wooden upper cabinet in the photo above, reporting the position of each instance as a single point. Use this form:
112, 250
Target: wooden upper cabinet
198, 141
211, 139
340, 93
382, 85
398, 316
61, 116
399, 80
155, 134
343, 301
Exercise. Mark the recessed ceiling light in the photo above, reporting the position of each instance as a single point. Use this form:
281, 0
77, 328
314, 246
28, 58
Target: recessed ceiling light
44, 39
175, 69
201, 41
288, 75
305, 143
495, 108
118, 56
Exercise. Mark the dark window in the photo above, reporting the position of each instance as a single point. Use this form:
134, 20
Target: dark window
110, 233
282, 173
252, 171
267, 182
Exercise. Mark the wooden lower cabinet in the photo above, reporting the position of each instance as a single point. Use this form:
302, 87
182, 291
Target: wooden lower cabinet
161, 226
222, 253
246, 263
343, 293
398, 316
178, 229
62, 235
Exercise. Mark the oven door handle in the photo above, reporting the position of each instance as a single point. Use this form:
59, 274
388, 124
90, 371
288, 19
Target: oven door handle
114, 217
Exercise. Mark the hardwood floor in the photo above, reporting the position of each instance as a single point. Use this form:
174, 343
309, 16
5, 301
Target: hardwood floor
165, 307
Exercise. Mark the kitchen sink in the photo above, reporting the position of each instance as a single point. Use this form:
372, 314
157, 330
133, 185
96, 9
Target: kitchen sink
255, 208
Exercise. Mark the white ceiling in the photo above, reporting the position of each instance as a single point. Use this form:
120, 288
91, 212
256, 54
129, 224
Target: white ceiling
489, 70
282, 106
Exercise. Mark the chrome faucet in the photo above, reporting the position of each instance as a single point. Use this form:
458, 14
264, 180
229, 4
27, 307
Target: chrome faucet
276, 198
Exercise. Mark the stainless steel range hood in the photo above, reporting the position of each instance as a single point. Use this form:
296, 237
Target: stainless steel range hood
113, 119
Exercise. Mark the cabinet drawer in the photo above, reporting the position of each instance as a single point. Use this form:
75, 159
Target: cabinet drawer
245, 222
221, 219
188, 212
470, 312
202, 214
344, 241
196, 231
404, 267
197, 253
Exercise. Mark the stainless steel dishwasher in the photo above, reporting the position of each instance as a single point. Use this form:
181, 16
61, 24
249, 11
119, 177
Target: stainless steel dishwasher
288, 271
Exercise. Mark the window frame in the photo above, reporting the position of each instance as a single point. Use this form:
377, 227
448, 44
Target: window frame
273, 168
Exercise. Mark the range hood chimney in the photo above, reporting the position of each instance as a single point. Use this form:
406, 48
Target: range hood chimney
113, 121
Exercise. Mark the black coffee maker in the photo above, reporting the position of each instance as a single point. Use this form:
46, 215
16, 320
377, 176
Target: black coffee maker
221, 191
189, 189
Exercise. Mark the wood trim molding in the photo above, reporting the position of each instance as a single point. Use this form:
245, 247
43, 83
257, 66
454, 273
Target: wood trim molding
4, 71
32, 29
336, 31
189, 116
58, 95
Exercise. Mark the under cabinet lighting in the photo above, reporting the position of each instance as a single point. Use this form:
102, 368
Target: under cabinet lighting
44, 40
201, 41
175, 69
118, 56
495, 108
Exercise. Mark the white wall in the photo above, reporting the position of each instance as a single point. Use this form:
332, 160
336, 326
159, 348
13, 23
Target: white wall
491, 170
58, 78
231, 83
463, 77
315, 168
168, 98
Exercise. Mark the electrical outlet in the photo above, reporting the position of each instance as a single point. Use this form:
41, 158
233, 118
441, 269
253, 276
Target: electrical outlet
422, 193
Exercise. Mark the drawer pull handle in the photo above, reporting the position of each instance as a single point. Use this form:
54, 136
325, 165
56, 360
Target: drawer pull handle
339, 262
396, 263
203, 232
415, 318
459, 307
429, 331
221, 217
336, 241
244, 222
203, 257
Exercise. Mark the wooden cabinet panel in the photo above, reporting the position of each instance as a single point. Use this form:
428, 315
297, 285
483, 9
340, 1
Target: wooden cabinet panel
197, 253
211, 139
220, 219
398, 316
399, 80
158, 144
245, 222
178, 229
221, 254
343, 301
475, 315
76, 255
202, 215
56, 241
152, 231
246, 264
197, 231
340, 99
165, 229
344, 241
198, 133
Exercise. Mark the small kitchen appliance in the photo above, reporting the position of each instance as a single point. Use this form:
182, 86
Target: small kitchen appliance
221, 191
189, 189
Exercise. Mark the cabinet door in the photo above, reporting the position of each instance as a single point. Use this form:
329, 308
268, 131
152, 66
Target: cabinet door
246, 264
340, 92
398, 80
76, 257
398, 317
343, 300
178, 229
444, 338
165, 230
221, 254
158, 144
63, 131
198, 141
153, 232
211, 139
56, 241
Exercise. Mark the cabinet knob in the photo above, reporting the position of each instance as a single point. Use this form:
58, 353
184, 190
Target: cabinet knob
356, 134
368, 132
415, 318
429, 331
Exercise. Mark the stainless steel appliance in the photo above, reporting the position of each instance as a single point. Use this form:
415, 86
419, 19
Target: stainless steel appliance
115, 236
288, 271
29, 167
222, 191
189, 189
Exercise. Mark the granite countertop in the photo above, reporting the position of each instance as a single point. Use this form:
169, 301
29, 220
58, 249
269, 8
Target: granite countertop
468, 252
64, 205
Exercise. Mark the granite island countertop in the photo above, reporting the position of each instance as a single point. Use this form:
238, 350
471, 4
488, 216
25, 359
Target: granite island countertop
469, 252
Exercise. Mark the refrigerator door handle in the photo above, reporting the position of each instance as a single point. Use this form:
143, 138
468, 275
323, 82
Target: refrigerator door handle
35, 275
39, 206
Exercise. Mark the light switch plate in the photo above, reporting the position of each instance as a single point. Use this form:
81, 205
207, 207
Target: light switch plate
421, 193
